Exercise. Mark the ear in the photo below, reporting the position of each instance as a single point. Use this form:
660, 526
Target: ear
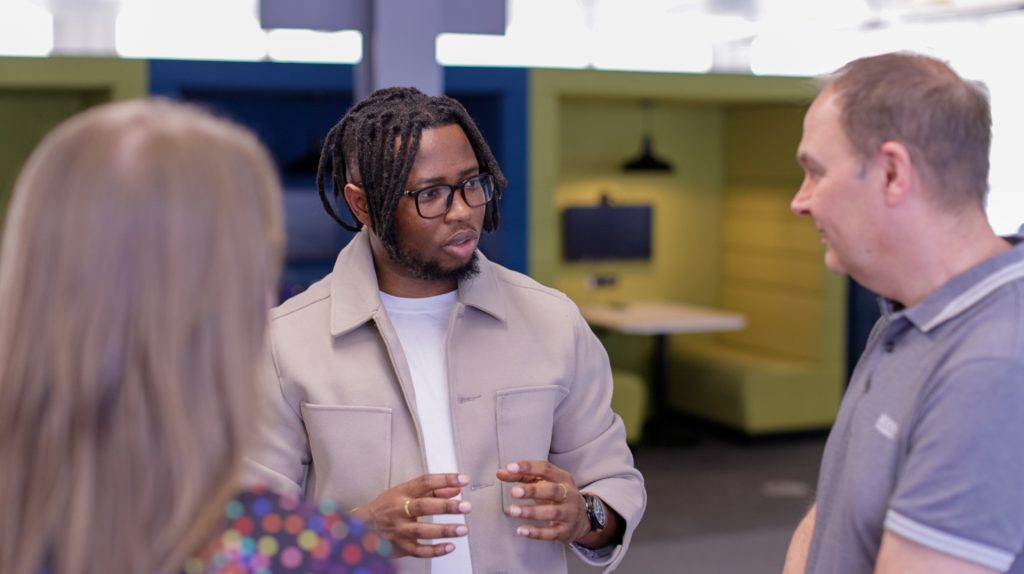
898, 171
355, 197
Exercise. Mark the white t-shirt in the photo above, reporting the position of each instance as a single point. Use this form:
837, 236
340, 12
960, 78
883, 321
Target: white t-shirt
422, 327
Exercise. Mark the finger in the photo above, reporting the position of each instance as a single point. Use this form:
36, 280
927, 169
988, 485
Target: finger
446, 492
430, 531
545, 512
427, 483
558, 532
430, 506
547, 491
506, 475
408, 548
540, 469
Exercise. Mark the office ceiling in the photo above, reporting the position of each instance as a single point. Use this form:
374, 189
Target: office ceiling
651, 28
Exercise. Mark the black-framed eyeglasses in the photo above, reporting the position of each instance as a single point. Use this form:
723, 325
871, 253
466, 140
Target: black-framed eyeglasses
436, 200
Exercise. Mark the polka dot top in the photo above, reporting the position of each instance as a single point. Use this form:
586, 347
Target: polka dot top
265, 533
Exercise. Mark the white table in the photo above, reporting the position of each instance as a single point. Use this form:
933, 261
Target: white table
660, 319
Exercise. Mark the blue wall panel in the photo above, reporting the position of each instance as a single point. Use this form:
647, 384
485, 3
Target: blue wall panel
497, 100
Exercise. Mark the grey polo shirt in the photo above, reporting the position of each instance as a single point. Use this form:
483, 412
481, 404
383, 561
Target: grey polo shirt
929, 440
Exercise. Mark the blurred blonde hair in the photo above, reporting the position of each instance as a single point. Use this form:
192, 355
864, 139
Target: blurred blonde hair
140, 252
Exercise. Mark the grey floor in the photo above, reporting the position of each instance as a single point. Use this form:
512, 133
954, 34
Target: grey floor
723, 505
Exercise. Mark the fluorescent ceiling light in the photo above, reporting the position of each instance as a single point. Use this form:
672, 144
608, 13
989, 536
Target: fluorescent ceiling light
286, 45
549, 34
26, 29
485, 50
775, 53
626, 38
655, 54
190, 29
611, 35
829, 14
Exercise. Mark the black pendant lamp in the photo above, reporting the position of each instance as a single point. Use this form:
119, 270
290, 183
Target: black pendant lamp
647, 161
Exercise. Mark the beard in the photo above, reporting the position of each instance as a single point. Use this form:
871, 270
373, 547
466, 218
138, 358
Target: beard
428, 269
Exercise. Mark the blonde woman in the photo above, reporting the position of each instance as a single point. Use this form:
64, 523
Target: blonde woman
139, 255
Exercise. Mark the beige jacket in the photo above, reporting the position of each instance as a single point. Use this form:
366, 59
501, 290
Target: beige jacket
527, 380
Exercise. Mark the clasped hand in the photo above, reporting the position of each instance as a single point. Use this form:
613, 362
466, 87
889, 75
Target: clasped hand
557, 500
395, 513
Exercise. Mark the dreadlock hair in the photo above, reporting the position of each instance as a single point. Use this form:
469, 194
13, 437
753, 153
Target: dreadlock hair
376, 143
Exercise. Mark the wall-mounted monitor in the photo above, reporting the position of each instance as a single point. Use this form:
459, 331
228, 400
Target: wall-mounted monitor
606, 232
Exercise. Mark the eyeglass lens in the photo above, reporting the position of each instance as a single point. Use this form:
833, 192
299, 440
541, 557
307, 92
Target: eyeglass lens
436, 201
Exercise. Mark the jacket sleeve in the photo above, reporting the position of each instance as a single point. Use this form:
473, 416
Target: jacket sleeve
589, 441
278, 457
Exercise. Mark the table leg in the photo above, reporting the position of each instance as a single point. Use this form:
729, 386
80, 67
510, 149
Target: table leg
659, 376
664, 427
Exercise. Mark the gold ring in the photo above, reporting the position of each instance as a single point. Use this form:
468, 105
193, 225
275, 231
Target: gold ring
407, 513
565, 492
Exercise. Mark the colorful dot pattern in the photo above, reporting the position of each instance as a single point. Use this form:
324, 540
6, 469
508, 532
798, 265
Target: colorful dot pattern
265, 533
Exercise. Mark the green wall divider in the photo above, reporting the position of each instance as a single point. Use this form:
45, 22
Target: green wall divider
732, 140
38, 93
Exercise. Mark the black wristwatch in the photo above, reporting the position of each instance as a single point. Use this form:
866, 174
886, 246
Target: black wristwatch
595, 512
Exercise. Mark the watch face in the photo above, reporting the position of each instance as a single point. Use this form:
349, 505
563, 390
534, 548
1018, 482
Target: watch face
595, 512
599, 512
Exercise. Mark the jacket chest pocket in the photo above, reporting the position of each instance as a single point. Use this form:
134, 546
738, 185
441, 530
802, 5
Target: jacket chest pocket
526, 418
351, 451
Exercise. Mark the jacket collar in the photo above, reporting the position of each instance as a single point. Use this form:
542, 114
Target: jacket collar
355, 295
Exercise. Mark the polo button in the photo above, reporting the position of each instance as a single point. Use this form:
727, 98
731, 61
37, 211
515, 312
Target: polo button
889, 346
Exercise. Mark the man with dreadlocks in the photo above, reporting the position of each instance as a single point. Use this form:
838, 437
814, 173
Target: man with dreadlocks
460, 408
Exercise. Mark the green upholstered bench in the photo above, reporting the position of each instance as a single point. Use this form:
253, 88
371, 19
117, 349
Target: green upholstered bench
629, 401
785, 371
753, 393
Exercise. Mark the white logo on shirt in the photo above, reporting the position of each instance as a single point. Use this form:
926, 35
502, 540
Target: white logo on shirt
887, 426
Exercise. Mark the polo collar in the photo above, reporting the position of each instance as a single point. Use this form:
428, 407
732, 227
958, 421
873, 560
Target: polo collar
355, 295
965, 290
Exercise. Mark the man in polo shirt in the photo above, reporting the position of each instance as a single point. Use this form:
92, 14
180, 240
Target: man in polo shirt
922, 470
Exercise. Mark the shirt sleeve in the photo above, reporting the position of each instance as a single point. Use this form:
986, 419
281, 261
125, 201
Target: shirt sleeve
589, 441
959, 489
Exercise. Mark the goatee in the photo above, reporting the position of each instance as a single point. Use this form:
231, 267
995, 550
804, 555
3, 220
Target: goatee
431, 270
